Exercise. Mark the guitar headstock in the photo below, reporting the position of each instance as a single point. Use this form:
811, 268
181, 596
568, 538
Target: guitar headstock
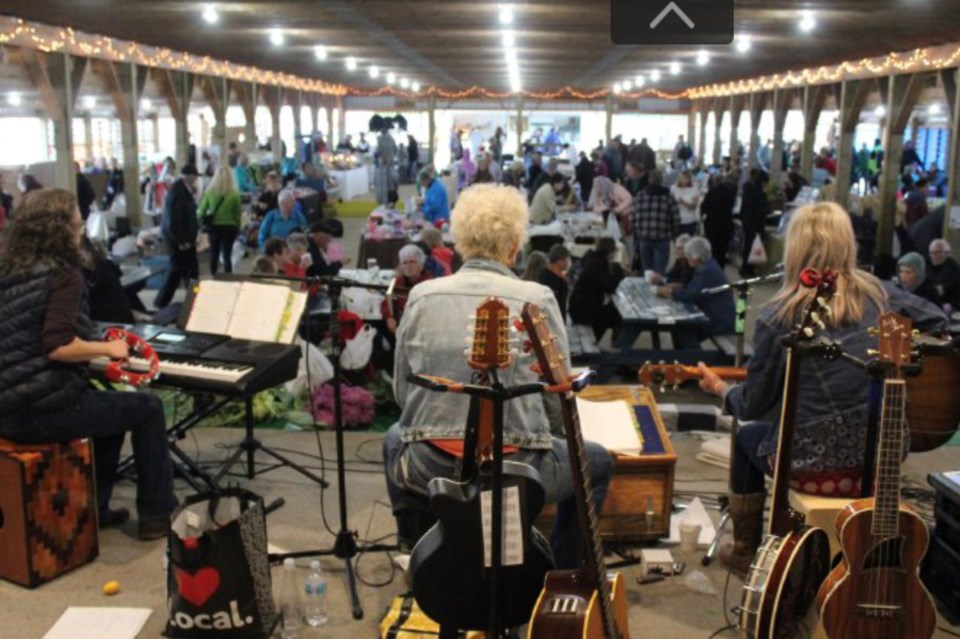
490, 342
894, 335
825, 285
664, 375
554, 368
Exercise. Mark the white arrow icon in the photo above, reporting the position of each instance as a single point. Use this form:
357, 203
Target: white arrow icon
666, 11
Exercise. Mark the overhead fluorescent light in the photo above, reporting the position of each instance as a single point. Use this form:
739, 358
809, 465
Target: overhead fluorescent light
277, 38
506, 14
210, 14
703, 57
350, 63
374, 72
808, 22
655, 76
744, 44
320, 52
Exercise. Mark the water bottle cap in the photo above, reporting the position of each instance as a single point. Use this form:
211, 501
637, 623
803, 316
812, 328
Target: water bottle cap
289, 562
314, 565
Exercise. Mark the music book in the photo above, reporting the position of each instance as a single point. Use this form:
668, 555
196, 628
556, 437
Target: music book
611, 424
247, 310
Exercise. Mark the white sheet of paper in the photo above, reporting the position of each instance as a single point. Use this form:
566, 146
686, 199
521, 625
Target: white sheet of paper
258, 312
511, 553
696, 514
99, 623
291, 322
213, 307
611, 424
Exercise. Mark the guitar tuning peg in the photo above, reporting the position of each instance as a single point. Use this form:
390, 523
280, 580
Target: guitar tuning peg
808, 332
872, 352
821, 325
915, 333
873, 330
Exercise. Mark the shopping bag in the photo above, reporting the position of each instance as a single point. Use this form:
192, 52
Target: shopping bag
613, 227
357, 351
758, 254
218, 573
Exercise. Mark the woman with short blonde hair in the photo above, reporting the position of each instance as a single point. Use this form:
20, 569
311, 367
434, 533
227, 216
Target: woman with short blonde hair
490, 221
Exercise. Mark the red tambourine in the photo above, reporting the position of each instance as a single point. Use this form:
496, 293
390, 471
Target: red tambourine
115, 371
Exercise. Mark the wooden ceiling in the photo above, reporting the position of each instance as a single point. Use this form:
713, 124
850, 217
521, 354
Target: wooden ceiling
454, 44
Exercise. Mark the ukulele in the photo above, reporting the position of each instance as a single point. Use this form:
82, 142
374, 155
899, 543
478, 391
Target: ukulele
663, 375
586, 602
451, 564
876, 590
794, 558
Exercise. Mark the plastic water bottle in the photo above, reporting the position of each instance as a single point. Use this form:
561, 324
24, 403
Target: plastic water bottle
315, 606
290, 607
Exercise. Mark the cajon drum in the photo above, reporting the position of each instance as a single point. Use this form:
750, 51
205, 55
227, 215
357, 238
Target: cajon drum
48, 510
821, 512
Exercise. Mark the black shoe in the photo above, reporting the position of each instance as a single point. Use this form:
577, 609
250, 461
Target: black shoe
151, 529
114, 518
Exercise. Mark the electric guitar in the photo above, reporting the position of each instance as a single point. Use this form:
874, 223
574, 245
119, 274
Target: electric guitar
587, 602
450, 565
663, 375
876, 590
794, 558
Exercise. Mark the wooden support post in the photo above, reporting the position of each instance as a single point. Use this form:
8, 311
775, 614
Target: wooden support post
217, 93
520, 129
54, 77
718, 112
174, 87
609, 125
331, 143
853, 96
126, 82
88, 135
737, 104
295, 98
950, 79
691, 125
248, 102
814, 97
756, 105
781, 107
432, 128
341, 118
272, 97
705, 108
903, 91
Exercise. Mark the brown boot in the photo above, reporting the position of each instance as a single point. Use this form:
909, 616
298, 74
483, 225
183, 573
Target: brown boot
746, 514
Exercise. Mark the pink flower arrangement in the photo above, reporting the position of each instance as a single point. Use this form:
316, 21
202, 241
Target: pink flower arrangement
357, 404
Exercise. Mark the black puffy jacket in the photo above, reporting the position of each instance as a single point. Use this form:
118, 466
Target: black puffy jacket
31, 382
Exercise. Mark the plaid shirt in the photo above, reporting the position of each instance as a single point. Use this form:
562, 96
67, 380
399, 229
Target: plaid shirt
655, 214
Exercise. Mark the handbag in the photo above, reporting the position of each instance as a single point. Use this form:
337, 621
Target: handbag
206, 222
218, 571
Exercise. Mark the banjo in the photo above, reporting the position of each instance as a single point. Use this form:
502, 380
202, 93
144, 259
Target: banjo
793, 559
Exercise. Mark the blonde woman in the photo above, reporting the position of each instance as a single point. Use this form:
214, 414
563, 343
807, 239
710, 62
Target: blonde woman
489, 225
219, 213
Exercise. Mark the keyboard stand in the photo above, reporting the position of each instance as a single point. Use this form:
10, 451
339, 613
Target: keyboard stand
249, 445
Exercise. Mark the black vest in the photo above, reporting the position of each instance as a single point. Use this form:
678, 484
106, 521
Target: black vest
31, 382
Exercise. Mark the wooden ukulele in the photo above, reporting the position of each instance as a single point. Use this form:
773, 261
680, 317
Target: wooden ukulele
450, 565
876, 590
587, 602
664, 375
794, 558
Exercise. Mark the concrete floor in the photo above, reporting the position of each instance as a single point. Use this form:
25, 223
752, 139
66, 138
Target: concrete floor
667, 609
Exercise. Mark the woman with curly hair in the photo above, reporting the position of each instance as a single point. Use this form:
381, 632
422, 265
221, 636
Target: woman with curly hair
45, 347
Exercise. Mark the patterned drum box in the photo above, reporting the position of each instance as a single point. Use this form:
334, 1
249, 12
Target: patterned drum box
48, 511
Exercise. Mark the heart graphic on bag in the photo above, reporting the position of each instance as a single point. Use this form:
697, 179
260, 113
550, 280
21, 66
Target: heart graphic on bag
198, 587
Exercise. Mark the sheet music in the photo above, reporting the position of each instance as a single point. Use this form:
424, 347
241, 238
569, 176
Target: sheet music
99, 623
213, 307
511, 553
610, 424
290, 322
258, 312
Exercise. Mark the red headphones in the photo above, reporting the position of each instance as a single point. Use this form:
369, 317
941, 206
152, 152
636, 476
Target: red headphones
115, 371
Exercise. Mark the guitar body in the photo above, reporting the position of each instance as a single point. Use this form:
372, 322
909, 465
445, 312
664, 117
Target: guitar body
783, 582
876, 591
569, 608
450, 582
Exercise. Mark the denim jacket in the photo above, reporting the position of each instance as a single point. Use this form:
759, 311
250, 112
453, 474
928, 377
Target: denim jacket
431, 340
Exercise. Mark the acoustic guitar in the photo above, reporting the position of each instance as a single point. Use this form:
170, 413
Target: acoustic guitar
876, 591
451, 564
676, 374
793, 559
588, 602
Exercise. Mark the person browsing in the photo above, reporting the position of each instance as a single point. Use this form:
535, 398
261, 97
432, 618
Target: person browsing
284, 220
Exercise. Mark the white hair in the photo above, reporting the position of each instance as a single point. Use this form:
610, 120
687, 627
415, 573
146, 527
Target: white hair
698, 248
286, 195
412, 251
297, 241
940, 244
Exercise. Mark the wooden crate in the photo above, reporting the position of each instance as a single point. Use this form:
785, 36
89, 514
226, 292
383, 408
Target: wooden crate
640, 482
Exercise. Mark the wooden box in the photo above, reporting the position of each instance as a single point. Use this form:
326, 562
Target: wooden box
48, 510
640, 483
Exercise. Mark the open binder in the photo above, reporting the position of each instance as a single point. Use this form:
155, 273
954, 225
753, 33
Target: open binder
264, 312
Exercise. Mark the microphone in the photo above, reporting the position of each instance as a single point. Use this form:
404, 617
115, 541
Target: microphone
330, 280
746, 284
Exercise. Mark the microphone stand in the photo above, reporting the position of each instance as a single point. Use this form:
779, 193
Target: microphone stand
345, 546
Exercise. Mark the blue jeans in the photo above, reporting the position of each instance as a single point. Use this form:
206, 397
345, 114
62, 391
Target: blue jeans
654, 254
748, 470
106, 417
410, 467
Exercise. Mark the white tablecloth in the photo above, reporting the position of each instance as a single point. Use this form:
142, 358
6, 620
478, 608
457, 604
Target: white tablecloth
352, 183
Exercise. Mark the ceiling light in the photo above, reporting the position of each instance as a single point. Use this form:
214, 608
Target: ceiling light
146, 105
654, 76
391, 78
320, 52
640, 81
90, 102
744, 44
210, 15
880, 111
935, 109
808, 23
374, 72
276, 37
351, 63
703, 58
404, 83
627, 86
14, 99
416, 87
509, 39
617, 88
506, 15
675, 68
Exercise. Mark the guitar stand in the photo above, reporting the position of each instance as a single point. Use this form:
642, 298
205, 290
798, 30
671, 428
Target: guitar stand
499, 394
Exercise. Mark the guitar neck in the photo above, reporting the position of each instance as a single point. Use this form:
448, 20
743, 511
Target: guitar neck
886, 508
781, 519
